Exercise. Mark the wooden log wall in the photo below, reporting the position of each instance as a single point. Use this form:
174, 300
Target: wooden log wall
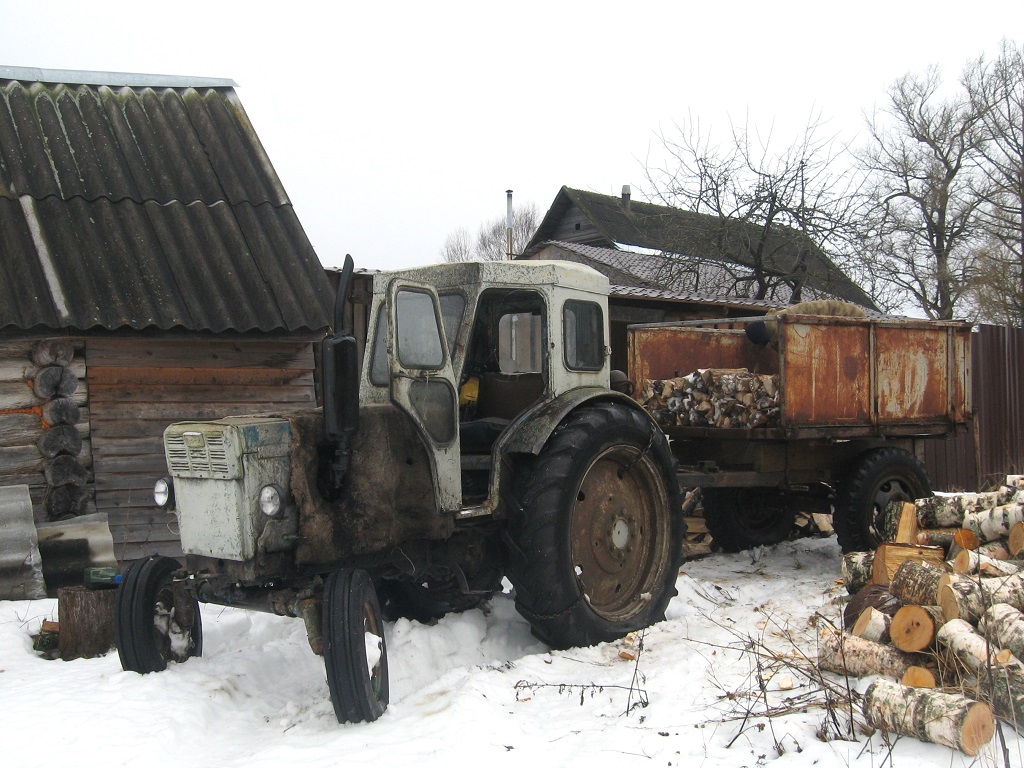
139, 384
45, 438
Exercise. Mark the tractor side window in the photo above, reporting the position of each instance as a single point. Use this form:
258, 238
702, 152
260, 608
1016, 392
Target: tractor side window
519, 343
583, 330
453, 306
379, 370
419, 337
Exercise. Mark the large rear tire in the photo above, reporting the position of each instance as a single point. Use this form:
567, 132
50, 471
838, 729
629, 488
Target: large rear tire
876, 478
743, 518
355, 653
150, 630
595, 530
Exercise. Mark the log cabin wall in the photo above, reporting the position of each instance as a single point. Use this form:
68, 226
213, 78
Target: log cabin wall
45, 440
139, 384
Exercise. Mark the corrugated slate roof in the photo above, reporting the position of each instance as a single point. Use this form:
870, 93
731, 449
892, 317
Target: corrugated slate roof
651, 276
145, 206
673, 230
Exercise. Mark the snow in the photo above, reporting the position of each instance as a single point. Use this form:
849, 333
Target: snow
474, 686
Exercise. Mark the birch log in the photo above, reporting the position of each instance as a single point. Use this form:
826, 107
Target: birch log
889, 557
872, 625
1003, 625
857, 657
920, 677
969, 598
994, 524
968, 562
963, 539
915, 582
913, 627
994, 549
1015, 541
948, 511
936, 537
938, 718
971, 650
856, 570
871, 596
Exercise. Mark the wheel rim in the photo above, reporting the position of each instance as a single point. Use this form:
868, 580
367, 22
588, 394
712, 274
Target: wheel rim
887, 490
620, 530
371, 628
173, 642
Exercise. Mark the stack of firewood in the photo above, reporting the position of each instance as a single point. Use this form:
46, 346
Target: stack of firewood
714, 397
938, 607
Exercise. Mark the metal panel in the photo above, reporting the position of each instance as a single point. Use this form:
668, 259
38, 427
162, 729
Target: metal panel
826, 373
912, 373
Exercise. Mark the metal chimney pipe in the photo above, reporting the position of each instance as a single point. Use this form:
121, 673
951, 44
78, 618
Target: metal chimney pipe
626, 194
508, 225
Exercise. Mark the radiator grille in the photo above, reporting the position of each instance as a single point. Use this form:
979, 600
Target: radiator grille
200, 454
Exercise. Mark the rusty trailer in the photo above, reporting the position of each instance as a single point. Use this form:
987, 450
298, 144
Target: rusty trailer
857, 398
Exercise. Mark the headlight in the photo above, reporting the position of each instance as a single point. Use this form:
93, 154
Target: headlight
271, 500
163, 492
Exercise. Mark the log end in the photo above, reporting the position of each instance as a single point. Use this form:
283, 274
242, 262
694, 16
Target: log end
919, 677
912, 629
979, 726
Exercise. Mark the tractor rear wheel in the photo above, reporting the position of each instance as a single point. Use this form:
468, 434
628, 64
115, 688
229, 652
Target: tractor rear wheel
596, 529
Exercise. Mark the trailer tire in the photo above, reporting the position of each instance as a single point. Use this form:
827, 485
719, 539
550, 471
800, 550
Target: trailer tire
744, 518
595, 528
876, 478
148, 634
359, 692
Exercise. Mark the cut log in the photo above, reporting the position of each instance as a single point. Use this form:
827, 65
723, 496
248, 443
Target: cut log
968, 562
906, 525
963, 539
854, 656
856, 570
968, 598
932, 716
971, 650
63, 438
916, 582
65, 470
889, 556
913, 627
1015, 541
61, 410
920, 677
871, 596
891, 520
936, 537
997, 550
86, 621
945, 511
995, 524
54, 381
63, 502
872, 625
1003, 625
52, 352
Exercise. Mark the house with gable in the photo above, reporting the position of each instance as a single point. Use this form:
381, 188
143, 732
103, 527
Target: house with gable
152, 269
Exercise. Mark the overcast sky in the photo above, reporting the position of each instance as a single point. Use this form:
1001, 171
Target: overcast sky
392, 124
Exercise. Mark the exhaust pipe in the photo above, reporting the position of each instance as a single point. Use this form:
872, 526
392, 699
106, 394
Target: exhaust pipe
339, 357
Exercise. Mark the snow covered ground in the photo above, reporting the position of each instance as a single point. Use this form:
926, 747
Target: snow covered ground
475, 687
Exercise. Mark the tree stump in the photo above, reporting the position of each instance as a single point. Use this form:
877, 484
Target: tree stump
86, 621
938, 718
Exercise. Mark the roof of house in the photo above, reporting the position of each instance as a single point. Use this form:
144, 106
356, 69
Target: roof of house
647, 276
145, 201
671, 230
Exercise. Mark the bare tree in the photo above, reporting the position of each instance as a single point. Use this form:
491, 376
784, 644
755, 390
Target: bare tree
996, 91
774, 212
923, 231
491, 242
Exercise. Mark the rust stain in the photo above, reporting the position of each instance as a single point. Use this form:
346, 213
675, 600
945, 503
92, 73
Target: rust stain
35, 410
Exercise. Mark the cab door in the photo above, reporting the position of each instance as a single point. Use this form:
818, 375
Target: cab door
422, 383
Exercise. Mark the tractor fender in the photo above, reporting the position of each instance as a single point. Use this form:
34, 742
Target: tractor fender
532, 429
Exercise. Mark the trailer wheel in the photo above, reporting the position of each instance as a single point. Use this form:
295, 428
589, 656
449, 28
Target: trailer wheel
150, 630
355, 652
877, 478
743, 518
595, 529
